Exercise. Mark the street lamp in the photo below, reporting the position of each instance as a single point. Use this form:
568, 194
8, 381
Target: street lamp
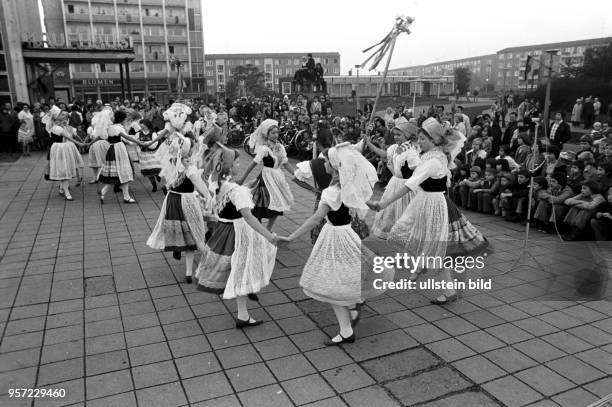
357, 89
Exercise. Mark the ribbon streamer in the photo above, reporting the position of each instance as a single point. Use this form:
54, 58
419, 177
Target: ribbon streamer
402, 24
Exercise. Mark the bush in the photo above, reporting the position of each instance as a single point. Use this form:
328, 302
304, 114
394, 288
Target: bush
565, 91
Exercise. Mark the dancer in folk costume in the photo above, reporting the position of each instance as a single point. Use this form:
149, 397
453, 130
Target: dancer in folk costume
180, 226
150, 166
132, 127
25, 134
314, 171
425, 227
271, 193
64, 157
117, 169
402, 158
339, 270
239, 256
98, 132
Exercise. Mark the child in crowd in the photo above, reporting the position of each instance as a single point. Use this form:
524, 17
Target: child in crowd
575, 178
487, 191
506, 181
540, 186
550, 208
582, 209
466, 188
504, 153
523, 148
515, 201
603, 175
601, 223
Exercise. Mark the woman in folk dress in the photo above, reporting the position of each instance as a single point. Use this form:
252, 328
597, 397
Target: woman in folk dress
239, 256
338, 271
64, 157
25, 135
147, 155
426, 227
402, 157
180, 226
271, 193
98, 132
117, 169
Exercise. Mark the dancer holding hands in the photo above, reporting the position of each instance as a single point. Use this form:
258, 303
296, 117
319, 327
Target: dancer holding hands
271, 193
336, 268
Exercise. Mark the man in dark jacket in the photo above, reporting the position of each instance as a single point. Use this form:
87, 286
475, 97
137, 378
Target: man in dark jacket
512, 126
496, 134
588, 112
9, 125
560, 131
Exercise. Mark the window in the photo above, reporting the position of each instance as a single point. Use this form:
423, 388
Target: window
221, 88
221, 78
277, 61
210, 82
268, 68
296, 62
147, 12
230, 62
326, 61
2, 63
84, 68
286, 86
209, 72
156, 67
268, 77
220, 68
336, 70
277, 71
288, 71
109, 68
288, 62
229, 72
210, 62
136, 67
248, 62
335, 60
171, 49
268, 85
70, 8
257, 62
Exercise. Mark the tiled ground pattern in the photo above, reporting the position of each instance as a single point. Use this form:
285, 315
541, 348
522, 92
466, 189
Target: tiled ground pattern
87, 307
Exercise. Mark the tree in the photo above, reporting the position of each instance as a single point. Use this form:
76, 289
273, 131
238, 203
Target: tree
248, 79
598, 64
463, 77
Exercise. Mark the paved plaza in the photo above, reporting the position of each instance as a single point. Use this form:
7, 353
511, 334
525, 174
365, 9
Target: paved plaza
87, 307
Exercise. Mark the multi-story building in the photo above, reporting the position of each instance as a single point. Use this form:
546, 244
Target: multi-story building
506, 68
15, 16
161, 32
511, 62
482, 67
218, 69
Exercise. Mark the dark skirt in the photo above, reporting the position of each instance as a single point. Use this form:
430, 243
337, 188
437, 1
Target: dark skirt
464, 238
112, 167
178, 236
261, 199
215, 264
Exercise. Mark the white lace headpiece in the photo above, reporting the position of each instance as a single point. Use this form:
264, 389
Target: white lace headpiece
357, 176
261, 132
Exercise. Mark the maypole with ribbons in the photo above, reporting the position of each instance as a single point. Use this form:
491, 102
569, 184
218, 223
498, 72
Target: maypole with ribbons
386, 47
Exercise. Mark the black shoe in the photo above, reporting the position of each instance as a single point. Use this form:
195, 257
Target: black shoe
176, 255
116, 189
243, 324
253, 297
164, 190
154, 188
188, 279
331, 342
446, 299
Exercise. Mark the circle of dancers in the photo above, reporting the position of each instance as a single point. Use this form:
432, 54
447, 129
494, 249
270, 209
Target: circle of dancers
208, 207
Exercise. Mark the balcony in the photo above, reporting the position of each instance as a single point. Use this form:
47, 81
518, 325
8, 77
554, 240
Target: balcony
77, 17
180, 3
129, 18
180, 39
156, 56
175, 20
152, 19
103, 18
154, 39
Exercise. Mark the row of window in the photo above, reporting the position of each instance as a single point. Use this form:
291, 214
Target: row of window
126, 11
152, 67
276, 71
111, 29
258, 62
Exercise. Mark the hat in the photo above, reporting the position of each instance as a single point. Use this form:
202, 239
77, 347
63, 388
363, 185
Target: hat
433, 129
507, 176
560, 177
476, 169
405, 127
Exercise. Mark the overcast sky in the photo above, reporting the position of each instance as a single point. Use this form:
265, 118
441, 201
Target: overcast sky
442, 30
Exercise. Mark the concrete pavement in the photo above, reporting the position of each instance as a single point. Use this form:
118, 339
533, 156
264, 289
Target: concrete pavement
87, 307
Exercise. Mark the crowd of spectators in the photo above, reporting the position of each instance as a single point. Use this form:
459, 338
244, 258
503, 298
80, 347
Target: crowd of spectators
505, 149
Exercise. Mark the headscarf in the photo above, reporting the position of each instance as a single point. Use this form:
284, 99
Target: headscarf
101, 121
260, 134
173, 161
357, 176
49, 118
405, 127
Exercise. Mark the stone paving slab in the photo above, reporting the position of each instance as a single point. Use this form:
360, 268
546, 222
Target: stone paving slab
85, 306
